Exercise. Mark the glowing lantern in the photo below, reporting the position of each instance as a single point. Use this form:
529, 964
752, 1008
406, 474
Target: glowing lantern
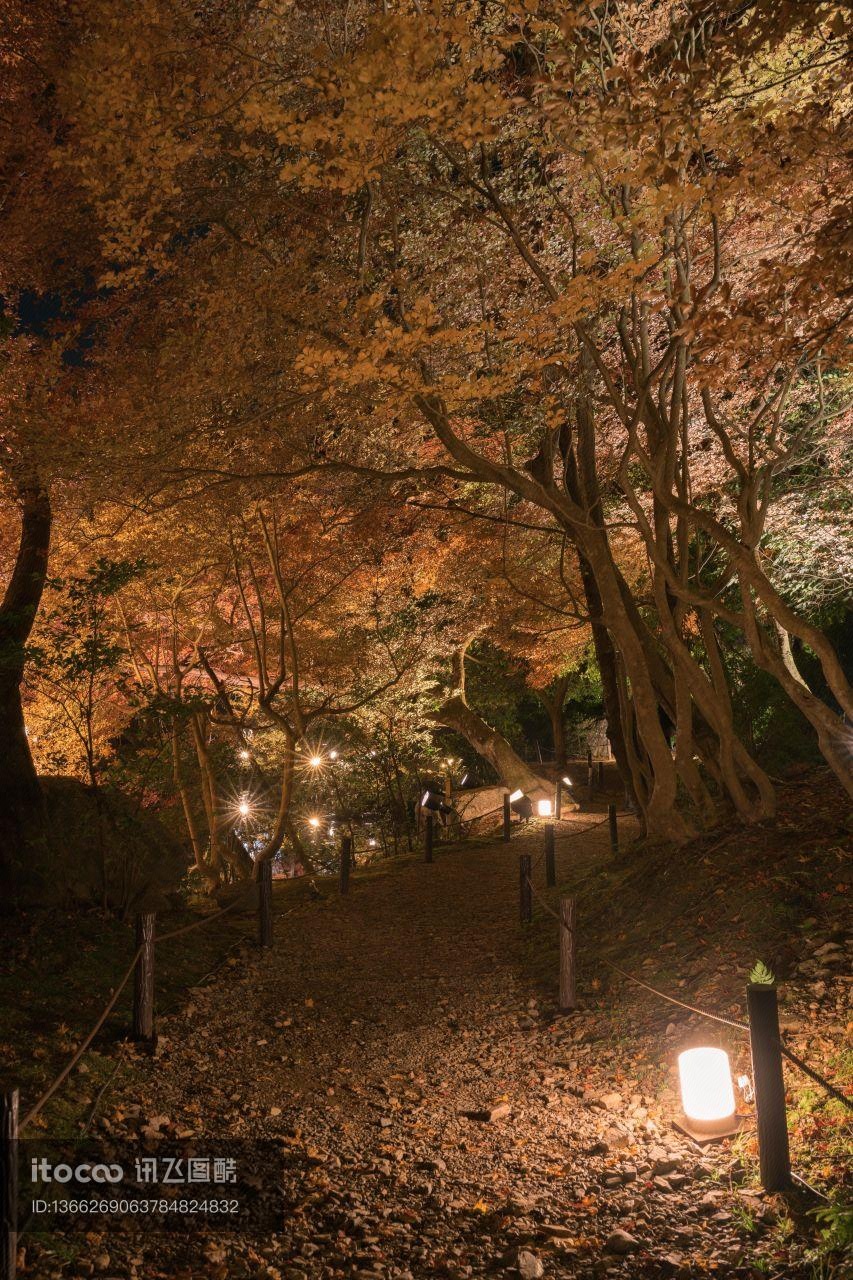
707, 1095
543, 808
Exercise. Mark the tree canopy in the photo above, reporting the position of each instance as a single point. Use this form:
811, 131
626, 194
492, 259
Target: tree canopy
345, 344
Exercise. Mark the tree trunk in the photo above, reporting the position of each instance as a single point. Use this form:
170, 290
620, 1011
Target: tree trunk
553, 700
23, 818
663, 820
605, 656
513, 772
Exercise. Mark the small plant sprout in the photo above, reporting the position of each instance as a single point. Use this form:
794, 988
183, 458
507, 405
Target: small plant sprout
760, 975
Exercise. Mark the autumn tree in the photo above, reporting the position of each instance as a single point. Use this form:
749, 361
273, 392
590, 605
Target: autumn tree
590, 260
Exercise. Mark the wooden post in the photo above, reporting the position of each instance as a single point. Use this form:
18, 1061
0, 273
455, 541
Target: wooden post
507, 817
345, 863
9, 1184
614, 829
525, 900
558, 799
429, 831
601, 773
773, 1155
143, 978
265, 903
568, 999
550, 864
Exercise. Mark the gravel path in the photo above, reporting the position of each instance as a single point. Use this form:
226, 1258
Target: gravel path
363, 1039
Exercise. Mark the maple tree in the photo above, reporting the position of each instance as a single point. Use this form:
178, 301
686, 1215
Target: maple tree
524, 326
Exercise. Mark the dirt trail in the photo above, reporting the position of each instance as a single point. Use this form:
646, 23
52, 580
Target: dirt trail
374, 1023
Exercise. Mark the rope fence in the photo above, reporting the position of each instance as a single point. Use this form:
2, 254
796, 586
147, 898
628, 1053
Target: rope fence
703, 1013
766, 1043
81, 1048
132, 970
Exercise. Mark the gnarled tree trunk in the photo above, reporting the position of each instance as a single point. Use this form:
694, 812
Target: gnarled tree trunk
514, 773
23, 819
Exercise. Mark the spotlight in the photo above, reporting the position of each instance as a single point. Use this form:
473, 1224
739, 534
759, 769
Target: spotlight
431, 801
543, 808
521, 804
567, 781
244, 808
314, 822
333, 755
315, 762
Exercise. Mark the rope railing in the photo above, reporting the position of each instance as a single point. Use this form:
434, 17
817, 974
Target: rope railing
81, 1048
197, 924
743, 1027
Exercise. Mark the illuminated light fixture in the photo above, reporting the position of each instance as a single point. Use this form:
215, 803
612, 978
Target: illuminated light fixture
372, 842
464, 779
244, 808
429, 800
244, 755
313, 822
315, 762
707, 1094
567, 781
521, 804
333, 755
543, 808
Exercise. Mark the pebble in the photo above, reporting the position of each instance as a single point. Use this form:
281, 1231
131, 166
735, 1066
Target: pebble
529, 1266
621, 1242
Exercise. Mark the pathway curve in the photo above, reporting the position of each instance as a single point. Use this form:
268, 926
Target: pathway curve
361, 1040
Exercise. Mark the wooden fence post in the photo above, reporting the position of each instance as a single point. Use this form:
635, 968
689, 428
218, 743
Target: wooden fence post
429, 831
601, 773
9, 1184
558, 799
143, 978
525, 900
550, 863
265, 904
773, 1155
507, 818
614, 829
345, 863
568, 998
